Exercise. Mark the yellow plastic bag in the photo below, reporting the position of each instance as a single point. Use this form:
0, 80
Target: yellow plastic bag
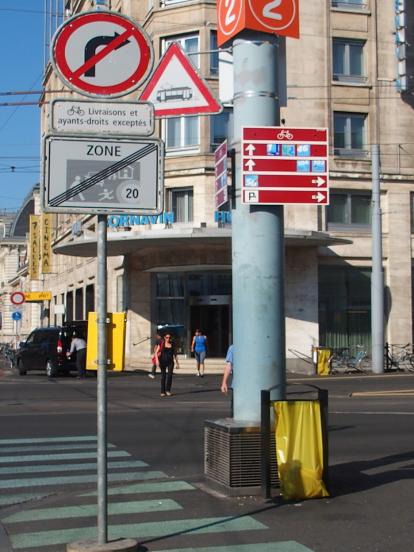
299, 449
324, 356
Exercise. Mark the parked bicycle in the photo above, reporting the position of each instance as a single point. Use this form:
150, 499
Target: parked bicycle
398, 358
343, 361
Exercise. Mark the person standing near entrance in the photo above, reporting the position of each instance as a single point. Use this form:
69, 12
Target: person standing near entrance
199, 348
166, 356
78, 345
158, 340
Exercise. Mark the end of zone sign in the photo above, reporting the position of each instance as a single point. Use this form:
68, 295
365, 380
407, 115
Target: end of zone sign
283, 166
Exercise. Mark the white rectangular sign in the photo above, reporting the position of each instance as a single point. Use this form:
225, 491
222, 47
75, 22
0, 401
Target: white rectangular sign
119, 118
88, 175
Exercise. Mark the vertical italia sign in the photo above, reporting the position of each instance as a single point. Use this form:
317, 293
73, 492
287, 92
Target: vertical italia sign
46, 243
34, 247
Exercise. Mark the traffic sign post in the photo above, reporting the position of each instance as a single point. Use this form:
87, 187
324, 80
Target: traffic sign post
86, 175
102, 54
285, 165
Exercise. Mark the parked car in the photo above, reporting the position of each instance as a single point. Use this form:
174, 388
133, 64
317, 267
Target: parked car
46, 348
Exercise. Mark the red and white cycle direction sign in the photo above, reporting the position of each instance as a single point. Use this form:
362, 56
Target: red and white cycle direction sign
285, 166
102, 54
220, 173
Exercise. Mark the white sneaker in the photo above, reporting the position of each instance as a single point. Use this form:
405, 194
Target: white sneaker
198, 373
151, 376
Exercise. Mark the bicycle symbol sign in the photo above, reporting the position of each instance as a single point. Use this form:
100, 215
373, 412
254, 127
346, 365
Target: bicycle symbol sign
285, 134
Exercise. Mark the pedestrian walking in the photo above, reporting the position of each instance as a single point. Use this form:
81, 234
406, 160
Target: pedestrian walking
78, 346
228, 370
166, 357
199, 348
158, 340
227, 374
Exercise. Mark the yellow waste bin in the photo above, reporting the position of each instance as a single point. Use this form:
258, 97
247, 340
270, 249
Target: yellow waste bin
300, 441
322, 360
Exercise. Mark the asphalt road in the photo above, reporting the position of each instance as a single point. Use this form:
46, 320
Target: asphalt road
156, 468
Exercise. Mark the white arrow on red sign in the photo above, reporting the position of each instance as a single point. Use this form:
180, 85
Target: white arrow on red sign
284, 165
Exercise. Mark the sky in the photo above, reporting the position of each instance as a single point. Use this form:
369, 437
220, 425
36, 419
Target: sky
21, 69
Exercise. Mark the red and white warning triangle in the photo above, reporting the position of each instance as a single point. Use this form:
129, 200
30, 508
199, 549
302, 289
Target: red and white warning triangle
176, 88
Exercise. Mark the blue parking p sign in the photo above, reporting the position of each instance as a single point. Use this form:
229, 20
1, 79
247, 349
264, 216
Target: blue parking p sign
17, 315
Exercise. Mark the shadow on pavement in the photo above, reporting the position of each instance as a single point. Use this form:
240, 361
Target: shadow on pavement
349, 478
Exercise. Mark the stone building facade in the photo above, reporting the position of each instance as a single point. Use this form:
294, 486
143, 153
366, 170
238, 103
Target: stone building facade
341, 74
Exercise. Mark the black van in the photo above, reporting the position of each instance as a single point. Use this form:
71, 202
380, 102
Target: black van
46, 348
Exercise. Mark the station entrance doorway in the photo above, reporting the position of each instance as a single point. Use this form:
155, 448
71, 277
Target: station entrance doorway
214, 322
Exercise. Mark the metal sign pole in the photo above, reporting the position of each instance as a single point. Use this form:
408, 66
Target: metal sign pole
377, 277
257, 240
102, 381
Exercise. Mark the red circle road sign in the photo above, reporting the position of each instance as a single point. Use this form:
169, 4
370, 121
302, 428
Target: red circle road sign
17, 298
102, 54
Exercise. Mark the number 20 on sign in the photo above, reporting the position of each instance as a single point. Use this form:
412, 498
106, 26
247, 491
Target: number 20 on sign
280, 17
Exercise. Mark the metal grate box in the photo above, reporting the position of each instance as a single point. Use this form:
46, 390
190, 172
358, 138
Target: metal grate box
232, 456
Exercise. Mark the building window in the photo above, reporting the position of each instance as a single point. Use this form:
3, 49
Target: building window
344, 307
349, 4
189, 43
349, 134
349, 209
180, 202
412, 215
182, 133
214, 54
348, 61
219, 128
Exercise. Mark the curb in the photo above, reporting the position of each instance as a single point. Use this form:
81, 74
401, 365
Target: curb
120, 545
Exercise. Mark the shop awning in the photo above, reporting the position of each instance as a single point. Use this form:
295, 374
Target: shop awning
125, 242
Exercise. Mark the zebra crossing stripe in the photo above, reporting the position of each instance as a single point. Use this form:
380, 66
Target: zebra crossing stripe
41, 468
68, 446
19, 498
62, 456
90, 510
287, 546
65, 480
158, 487
141, 530
27, 441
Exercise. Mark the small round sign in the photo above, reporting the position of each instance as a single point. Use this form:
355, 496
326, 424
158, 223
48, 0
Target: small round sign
128, 191
102, 54
16, 315
17, 298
